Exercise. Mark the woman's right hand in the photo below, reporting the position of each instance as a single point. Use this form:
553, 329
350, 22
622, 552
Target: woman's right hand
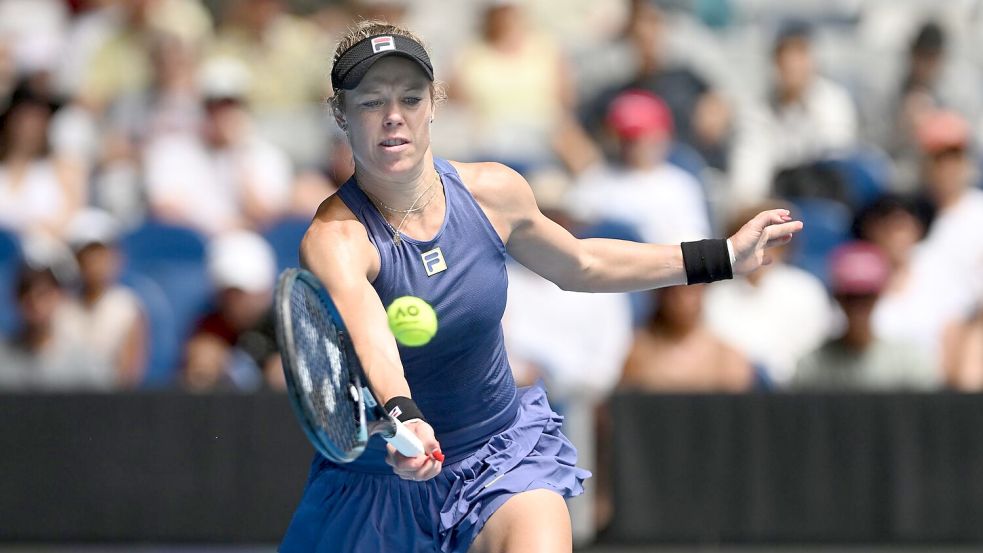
422, 467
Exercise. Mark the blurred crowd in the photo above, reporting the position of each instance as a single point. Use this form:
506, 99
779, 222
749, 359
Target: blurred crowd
160, 160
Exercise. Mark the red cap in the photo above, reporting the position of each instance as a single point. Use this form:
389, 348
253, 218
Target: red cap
858, 268
637, 113
942, 130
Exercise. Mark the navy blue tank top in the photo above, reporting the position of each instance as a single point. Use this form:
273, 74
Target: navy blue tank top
461, 379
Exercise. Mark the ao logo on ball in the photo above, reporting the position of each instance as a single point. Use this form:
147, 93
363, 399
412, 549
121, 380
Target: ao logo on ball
412, 321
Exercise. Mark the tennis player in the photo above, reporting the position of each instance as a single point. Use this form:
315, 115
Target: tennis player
409, 223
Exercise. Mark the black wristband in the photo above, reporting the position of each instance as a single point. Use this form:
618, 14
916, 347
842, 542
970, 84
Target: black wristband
403, 409
706, 261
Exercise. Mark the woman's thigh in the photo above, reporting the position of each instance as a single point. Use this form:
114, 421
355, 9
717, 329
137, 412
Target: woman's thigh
536, 521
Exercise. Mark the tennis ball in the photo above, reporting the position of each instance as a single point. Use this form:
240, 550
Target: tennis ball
412, 321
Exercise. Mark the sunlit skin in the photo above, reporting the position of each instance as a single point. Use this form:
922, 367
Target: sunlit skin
387, 117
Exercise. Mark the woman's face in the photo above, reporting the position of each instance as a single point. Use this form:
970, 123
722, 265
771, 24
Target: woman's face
28, 128
896, 233
388, 116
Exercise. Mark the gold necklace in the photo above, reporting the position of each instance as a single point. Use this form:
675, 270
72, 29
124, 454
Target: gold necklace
406, 212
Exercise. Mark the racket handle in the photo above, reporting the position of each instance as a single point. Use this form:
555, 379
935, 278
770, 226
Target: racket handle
405, 441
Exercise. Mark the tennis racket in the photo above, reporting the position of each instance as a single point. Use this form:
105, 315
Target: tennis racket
325, 382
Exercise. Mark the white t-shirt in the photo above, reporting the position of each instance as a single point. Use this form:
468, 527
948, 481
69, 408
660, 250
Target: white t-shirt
665, 204
770, 139
105, 325
64, 363
208, 185
946, 279
786, 316
36, 199
579, 340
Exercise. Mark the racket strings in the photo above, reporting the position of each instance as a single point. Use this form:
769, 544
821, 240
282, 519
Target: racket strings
322, 369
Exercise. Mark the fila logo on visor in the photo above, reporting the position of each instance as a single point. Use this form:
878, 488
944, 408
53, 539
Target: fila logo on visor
382, 44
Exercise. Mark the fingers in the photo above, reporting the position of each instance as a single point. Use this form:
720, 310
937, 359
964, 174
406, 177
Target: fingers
780, 230
779, 241
421, 467
772, 217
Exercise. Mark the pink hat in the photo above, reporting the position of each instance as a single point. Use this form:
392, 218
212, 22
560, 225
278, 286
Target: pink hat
637, 113
942, 130
858, 268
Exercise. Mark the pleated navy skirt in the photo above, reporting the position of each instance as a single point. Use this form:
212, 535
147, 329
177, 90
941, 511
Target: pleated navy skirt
345, 510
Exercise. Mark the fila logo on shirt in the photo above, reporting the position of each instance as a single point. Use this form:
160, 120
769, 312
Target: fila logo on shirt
433, 261
382, 44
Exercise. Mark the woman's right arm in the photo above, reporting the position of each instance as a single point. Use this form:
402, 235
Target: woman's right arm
337, 250
339, 253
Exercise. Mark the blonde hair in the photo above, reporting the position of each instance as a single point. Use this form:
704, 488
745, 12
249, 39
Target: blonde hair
365, 29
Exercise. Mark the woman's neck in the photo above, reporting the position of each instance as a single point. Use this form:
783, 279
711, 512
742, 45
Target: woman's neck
398, 192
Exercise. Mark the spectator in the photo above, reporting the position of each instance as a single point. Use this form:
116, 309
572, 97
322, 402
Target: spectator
859, 360
234, 346
226, 177
47, 352
936, 77
514, 117
284, 54
676, 352
917, 97
955, 238
169, 105
742, 311
944, 277
702, 116
38, 192
906, 309
962, 354
109, 315
662, 202
806, 118
122, 64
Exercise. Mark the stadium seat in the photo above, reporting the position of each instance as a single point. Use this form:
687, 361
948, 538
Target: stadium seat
686, 157
866, 171
164, 345
285, 235
10, 258
826, 226
173, 257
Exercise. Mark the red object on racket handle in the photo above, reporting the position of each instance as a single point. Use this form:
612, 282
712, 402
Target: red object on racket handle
436, 455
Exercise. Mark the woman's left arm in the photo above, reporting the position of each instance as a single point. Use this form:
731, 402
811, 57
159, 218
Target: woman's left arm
603, 265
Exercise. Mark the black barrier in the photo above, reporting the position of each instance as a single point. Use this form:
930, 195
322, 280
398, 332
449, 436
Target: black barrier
149, 467
792, 468
758, 468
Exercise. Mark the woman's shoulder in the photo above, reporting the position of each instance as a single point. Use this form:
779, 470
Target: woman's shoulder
336, 217
335, 233
491, 183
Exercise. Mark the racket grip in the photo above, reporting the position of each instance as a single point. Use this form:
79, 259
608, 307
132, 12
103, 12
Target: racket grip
405, 441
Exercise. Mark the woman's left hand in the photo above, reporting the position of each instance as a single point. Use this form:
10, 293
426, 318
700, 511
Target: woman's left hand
768, 228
